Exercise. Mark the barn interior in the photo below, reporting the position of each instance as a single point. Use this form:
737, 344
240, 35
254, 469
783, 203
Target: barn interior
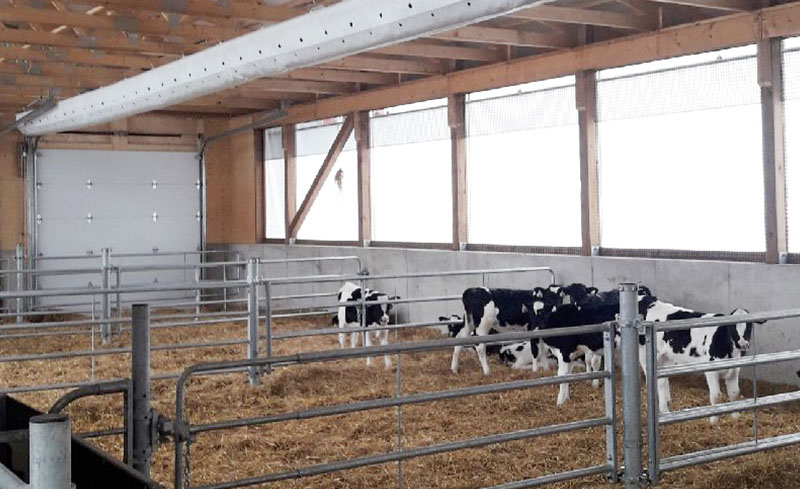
233, 163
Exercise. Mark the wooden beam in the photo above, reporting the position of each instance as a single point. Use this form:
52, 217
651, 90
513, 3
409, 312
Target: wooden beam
585, 16
387, 65
511, 37
586, 103
364, 155
729, 5
443, 51
235, 9
289, 140
64, 70
456, 116
770, 79
303, 86
114, 23
95, 40
718, 33
80, 55
322, 175
363, 77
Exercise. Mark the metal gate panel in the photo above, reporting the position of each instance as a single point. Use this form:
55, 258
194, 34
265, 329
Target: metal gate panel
128, 201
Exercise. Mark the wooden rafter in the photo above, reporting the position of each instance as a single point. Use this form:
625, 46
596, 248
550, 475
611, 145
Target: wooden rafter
511, 37
728, 5
322, 175
587, 17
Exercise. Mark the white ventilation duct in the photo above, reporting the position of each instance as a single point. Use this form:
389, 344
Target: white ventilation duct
344, 29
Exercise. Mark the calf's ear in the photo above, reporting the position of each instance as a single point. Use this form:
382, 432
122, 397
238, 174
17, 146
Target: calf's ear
442, 318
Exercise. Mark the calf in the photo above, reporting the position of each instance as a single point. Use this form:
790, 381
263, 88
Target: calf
579, 294
522, 355
697, 345
501, 309
454, 326
568, 349
375, 315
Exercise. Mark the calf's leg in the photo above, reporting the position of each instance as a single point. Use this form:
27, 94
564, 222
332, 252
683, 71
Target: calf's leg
465, 332
714, 394
384, 340
368, 343
732, 386
563, 389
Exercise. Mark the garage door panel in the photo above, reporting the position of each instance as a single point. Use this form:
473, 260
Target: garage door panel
66, 201
128, 201
117, 167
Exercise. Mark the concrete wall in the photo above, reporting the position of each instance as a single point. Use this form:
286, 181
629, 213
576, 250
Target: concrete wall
701, 285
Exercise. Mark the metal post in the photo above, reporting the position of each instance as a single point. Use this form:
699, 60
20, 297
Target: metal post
197, 294
631, 415
105, 326
252, 318
268, 319
119, 297
610, 404
653, 435
50, 455
224, 289
140, 388
19, 257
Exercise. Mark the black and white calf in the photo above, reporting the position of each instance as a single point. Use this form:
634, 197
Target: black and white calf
502, 309
697, 345
522, 354
569, 349
454, 326
376, 315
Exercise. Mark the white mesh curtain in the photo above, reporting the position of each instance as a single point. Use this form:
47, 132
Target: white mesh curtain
334, 215
791, 107
680, 154
274, 184
523, 165
411, 177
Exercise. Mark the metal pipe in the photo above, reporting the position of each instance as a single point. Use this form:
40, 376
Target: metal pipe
268, 318
140, 389
715, 454
396, 456
31, 171
18, 257
105, 326
387, 402
40, 109
631, 414
728, 363
728, 407
553, 478
252, 319
50, 456
653, 433
96, 389
609, 402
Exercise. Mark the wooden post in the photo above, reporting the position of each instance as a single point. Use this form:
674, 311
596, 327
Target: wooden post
322, 175
586, 103
289, 137
770, 79
456, 115
364, 153
260, 226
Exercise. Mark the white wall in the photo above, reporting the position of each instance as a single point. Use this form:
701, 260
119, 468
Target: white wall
703, 285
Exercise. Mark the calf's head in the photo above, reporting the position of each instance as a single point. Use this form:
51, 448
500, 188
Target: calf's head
456, 324
742, 333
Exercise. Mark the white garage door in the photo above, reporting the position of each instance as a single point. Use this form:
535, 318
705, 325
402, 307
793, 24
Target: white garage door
129, 201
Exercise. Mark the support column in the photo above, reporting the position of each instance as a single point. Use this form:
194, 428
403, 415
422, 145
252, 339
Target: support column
586, 103
456, 115
105, 326
252, 319
140, 389
364, 154
770, 79
631, 400
288, 135
50, 455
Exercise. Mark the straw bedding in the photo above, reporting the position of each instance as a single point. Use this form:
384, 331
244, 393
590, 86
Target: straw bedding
233, 454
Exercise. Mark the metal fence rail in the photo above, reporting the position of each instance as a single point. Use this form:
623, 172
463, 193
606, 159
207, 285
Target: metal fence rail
655, 419
185, 430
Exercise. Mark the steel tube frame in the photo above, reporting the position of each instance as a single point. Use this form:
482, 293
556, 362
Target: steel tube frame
629, 349
50, 452
254, 374
140, 390
105, 326
19, 256
332, 355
